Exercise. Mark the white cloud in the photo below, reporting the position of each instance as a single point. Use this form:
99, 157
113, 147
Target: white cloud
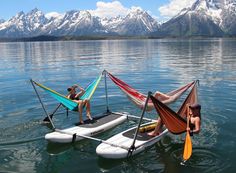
109, 9
53, 14
174, 7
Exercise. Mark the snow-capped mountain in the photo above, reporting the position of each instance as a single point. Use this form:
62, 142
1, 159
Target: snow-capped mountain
23, 25
76, 23
204, 18
35, 23
137, 22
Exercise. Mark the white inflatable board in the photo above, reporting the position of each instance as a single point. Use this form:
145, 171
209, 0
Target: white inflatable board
125, 139
90, 128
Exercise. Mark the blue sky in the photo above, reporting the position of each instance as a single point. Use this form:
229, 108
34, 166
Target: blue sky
157, 8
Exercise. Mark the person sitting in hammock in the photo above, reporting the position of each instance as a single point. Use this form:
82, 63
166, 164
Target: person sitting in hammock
76, 97
195, 121
195, 118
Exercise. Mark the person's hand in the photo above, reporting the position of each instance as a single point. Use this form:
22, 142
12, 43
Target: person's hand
188, 129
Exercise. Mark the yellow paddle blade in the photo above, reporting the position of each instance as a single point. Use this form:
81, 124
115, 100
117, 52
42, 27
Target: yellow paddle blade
187, 147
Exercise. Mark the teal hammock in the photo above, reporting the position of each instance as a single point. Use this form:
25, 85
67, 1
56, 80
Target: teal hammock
70, 104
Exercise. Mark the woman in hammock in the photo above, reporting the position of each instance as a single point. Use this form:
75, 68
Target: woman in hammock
195, 121
76, 97
164, 98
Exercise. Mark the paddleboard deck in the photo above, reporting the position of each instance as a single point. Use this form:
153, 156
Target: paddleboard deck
93, 127
125, 140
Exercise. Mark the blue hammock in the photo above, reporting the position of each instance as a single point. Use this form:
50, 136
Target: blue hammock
70, 104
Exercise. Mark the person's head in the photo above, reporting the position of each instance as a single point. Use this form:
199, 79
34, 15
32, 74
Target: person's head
71, 89
196, 110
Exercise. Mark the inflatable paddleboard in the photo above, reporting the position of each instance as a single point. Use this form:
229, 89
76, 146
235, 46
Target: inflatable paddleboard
90, 128
125, 140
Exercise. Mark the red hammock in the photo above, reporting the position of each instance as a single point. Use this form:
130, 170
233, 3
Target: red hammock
175, 122
139, 99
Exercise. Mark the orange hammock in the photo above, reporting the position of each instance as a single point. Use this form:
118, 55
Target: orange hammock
175, 122
139, 99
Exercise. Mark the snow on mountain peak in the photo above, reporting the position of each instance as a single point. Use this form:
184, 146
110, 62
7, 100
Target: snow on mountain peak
111, 23
85, 13
135, 12
19, 15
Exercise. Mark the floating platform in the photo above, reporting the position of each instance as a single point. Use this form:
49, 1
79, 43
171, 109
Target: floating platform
124, 140
89, 128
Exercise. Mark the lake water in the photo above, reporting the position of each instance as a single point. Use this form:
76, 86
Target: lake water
147, 65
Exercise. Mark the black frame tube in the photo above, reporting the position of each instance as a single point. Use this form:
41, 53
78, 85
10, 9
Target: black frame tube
105, 79
132, 147
32, 82
51, 115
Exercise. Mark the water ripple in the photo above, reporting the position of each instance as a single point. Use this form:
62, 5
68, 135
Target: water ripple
203, 160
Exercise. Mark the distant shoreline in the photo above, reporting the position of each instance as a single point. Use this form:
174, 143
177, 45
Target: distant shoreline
75, 38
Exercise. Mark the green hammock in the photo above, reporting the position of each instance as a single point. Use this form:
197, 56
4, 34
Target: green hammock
70, 104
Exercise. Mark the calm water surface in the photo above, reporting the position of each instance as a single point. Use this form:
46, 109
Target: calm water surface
146, 65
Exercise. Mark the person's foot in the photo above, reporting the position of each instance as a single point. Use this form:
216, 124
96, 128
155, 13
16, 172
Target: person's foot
89, 117
81, 122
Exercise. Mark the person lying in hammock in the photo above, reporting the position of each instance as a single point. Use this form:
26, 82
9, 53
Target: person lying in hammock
164, 98
195, 121
76, 97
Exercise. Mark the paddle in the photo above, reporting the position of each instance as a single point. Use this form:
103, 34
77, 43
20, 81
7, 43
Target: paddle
188, 143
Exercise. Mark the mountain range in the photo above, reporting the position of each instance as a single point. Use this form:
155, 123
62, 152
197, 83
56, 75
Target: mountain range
203, 18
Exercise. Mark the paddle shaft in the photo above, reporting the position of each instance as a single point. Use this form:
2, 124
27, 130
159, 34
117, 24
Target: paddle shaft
188, 117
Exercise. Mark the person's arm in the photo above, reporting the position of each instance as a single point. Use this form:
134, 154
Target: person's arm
197, 126
82, 91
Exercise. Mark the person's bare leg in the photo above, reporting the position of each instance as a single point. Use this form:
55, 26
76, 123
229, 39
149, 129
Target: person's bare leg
161, 96
80, 109
88, 110
157, 129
